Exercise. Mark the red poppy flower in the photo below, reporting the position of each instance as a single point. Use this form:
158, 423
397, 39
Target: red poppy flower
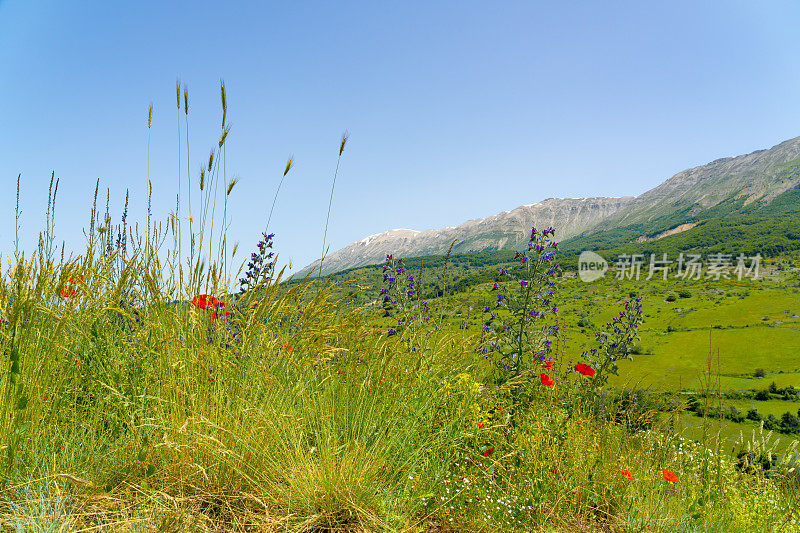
205, 301
68, 292
488, 452
546, 381
585, 370
627, 474
552, 470
548, 365
340, 371
672, 477
481, 424
288, 348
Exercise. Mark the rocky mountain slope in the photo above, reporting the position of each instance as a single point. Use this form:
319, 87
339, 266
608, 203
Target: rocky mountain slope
506, 230
759, 176
755, 178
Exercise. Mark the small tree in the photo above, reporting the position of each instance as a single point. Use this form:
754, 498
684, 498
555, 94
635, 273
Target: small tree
790, 423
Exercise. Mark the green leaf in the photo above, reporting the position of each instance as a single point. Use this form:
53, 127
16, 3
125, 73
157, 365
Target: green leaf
150, 470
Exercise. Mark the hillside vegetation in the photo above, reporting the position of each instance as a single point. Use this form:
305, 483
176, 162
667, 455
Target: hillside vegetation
138, 392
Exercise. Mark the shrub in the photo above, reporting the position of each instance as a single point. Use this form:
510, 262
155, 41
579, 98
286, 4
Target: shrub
759, 373
684, 294
671, 298
755, 463
752, 414
734, 415
790, 423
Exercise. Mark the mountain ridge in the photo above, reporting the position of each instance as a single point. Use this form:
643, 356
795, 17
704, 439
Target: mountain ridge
758, 177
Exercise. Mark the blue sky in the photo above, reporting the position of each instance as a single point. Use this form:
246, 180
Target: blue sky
456, 110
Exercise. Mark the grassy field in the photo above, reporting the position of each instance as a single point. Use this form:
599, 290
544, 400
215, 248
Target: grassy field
743, 326
315, 421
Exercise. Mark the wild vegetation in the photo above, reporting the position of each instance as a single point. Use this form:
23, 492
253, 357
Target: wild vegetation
143, 389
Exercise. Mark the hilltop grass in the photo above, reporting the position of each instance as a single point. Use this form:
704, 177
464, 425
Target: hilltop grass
314, 422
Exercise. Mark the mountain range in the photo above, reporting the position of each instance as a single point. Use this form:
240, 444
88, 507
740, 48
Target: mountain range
743, 184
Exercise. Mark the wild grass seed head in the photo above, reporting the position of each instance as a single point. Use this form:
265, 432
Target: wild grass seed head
224, 102
231, 185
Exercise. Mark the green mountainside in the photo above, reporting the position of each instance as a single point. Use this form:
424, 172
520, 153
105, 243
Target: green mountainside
764, 183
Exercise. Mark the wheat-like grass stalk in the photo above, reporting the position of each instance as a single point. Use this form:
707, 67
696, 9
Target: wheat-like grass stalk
231, 185
224, 102
289, 164
176, 232
342, 143
148, 184
188, 172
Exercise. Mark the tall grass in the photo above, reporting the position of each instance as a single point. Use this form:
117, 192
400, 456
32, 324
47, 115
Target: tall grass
126, 405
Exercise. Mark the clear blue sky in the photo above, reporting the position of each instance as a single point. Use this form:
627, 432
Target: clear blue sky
456, 110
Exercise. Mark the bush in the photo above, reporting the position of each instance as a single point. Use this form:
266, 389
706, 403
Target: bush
759, 373
753, 415
637, 349
671, 298
755, 463
684, 294
790, 423
734, 415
